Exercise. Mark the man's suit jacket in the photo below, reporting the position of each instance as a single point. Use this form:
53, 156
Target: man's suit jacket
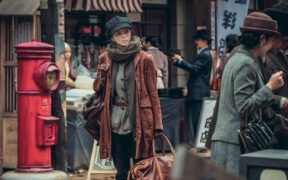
199, 79
274, 63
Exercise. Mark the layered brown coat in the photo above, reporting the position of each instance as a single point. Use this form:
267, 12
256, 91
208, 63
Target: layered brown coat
148, 112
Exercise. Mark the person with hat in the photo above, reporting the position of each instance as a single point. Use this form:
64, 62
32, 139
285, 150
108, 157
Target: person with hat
131, 115
198, 84
243, 91
276, 60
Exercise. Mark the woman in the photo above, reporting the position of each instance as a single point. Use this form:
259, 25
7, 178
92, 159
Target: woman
242, 89
70, 79
131, 115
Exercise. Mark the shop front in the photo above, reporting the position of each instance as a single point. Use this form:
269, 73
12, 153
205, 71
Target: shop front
85, 28
19, 22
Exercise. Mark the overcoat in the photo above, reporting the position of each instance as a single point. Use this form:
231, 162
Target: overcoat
148, 112
274, 63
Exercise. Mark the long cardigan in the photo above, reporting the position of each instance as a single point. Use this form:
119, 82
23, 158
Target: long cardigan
148, 112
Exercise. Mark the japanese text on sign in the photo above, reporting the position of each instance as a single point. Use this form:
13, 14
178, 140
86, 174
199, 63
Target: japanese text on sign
230, 17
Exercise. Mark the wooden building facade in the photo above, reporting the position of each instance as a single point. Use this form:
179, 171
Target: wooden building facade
174, 21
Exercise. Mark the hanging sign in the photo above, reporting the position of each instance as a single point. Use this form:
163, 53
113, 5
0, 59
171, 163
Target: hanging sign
230, 17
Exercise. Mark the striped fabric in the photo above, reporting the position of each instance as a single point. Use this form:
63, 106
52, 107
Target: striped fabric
126, 6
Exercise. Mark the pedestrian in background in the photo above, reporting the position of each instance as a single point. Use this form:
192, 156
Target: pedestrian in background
131, 115
276, 60
243, 91
150, 45
198, 84
71, 77
231, 42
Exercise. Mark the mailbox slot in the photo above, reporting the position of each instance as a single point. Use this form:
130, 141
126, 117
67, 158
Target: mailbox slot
47, 130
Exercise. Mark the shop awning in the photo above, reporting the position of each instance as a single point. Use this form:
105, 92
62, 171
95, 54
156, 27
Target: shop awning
126, 6
19, 7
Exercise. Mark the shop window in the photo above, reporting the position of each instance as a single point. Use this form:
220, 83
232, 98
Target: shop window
84, 32
14, 30
154, 23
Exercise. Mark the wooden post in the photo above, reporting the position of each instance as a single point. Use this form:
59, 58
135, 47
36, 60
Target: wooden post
52, 33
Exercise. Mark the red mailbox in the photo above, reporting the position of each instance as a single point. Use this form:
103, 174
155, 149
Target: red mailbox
37, 129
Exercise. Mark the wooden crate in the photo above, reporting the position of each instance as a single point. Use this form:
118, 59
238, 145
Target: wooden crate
9, 142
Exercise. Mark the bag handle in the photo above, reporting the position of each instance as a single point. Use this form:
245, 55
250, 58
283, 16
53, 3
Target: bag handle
244, 122
163, 138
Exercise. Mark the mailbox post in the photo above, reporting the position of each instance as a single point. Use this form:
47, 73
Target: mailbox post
37, 129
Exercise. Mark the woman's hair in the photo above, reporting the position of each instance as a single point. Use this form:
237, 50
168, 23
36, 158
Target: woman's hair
232, 41
252, 39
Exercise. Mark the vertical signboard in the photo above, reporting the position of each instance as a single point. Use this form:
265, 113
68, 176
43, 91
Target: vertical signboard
230, 16
207, 110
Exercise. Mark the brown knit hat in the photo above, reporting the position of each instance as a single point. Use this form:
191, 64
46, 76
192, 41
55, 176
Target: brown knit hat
259, 22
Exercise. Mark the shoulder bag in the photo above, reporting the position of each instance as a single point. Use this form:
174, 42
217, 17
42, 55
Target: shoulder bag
92, 108
255, 134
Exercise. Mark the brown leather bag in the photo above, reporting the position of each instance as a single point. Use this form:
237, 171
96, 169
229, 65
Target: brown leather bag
91, 112
156, 167
94, 105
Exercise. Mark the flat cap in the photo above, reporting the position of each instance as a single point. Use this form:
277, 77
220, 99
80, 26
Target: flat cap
116, 23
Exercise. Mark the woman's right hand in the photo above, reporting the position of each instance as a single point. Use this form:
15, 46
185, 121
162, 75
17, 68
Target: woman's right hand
276, 81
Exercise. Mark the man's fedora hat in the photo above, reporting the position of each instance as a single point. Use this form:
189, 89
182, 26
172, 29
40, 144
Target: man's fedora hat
279, 12
116, 23
259, 22
202, 34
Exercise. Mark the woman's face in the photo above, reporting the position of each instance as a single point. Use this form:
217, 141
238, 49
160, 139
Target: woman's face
122, 36
266, 44
67, 54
